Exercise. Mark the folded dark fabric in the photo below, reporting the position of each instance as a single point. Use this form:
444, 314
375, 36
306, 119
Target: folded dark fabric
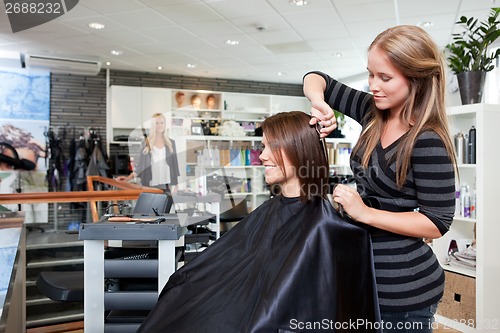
289, 266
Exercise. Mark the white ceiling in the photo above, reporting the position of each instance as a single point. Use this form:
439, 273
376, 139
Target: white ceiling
173, 33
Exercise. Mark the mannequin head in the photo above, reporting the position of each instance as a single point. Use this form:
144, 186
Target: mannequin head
179, 98
210, 102
196, 101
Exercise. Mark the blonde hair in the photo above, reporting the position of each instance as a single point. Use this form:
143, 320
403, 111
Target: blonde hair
152, 135
413, 52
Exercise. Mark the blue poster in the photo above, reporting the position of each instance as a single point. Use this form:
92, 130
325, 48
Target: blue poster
24, 118
24, 95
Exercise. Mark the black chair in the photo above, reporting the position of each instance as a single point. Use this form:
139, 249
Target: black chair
232, 212
67, 286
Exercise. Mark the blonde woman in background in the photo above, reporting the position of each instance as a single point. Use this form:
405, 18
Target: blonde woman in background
157, 165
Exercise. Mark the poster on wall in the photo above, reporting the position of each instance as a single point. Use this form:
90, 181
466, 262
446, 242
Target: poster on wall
24, 120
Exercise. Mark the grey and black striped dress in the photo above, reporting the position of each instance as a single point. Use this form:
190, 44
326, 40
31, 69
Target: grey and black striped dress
408, 274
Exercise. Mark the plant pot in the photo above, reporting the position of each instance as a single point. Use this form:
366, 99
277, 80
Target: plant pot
471, 85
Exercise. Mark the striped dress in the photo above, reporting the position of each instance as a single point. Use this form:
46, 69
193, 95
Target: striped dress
408, 274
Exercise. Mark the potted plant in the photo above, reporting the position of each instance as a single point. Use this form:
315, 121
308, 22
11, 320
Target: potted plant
337, 132
469, 57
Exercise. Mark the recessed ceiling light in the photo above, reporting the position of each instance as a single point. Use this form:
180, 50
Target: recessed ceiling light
191, 65
232, 42
108, 63
96, 26
116, 52
339, 54
298, 3
281, 74
425, 24
159, 68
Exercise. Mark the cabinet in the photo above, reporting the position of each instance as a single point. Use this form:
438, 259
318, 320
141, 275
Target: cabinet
485, 228
133, 107
98, 300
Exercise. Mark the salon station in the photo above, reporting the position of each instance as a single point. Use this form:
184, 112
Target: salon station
130, 142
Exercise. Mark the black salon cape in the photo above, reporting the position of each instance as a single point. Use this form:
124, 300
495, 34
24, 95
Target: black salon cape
284, 268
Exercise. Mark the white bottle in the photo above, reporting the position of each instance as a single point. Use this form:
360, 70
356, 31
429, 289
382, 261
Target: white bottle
206, 156
216, 156
473, 205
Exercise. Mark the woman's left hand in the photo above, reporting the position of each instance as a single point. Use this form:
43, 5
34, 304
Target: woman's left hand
351, 202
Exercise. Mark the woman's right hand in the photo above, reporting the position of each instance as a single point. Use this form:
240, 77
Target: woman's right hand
314, 89
321, 112
121, 178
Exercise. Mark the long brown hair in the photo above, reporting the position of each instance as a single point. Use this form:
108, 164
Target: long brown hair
152, 134
413, 52
289, 133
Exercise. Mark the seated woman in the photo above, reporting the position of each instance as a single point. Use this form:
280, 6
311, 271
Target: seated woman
291, 265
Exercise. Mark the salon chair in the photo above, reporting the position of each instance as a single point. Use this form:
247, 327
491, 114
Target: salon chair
67, 286
232, 212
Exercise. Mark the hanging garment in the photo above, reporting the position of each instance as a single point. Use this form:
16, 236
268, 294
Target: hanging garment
285, 267
79, 179
97, 164
55, 153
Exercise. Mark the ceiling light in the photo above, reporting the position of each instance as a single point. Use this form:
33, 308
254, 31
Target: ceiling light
425, 24
108, 63
232, 42
96, 26
159, 68
281, 74
191, 65
116, 52
339, 54
298, 3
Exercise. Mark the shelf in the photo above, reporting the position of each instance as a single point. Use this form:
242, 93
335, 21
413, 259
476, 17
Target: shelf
469, 109
221, 138
459, 270
196, 118
238, 194
255, 120
465, 219
125, 143
249, 111
481, 177
467, 166
229, 166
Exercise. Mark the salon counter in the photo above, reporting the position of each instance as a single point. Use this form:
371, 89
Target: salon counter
12, 273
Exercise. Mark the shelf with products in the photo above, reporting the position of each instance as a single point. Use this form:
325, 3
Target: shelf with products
237, 158
192, 110
475, 222
211, 158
